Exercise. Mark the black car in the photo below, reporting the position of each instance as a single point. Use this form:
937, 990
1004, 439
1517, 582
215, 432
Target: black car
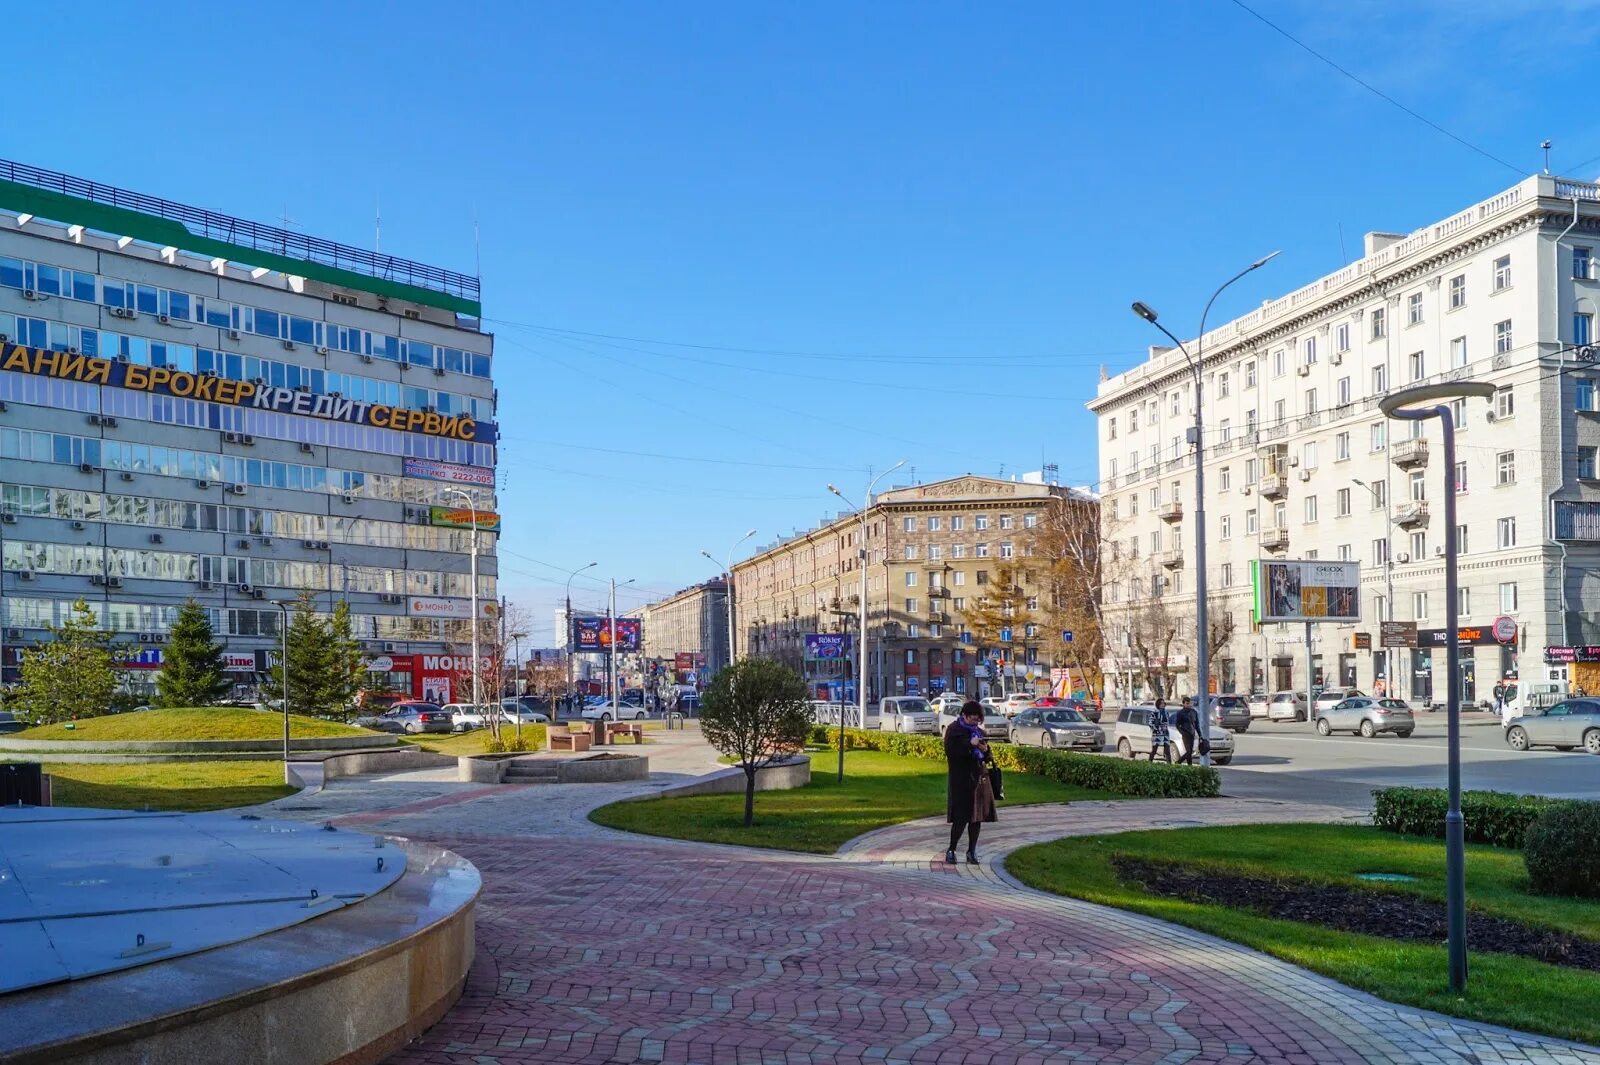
9, 723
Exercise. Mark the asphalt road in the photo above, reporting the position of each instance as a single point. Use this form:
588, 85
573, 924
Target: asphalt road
1290, 761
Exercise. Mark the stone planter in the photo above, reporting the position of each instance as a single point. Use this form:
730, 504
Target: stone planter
780, 776
604, 769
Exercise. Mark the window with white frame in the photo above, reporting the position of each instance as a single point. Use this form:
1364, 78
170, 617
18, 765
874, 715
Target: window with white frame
958, 578
1341, 447
1111, 428
1176, 398
1508, 597
1419, 605
911, 579
1502, 337
1415, 362
1458, 351
1341, 337
1380, 380
1155, 540
1505, 402
935, 552
1461, 539
1341, 503
1458, 413
1419, 546
1252, 470
1581, 260
1250, 374
1223, 391
1505, 532
1225, 527
911, 606
1461, 477
1251, 523
1583, 394
1030, 520
1582, 328
1006, 550
1280, 515
1586, 463
908, 525
982, 551
933, 524
1379, 324
1311, 509
1225, 430
1250, 421
1419, 485
957, 523
1505, 467
981, 521
1226, 573
1380, 552
1308, 349
1005, 521
1155, 497
1308, 454
1342, 391
1414, 309
1502, 273
960, 550
1280, 411
1463, 602
1133, 419
1380, 435
911, 551
1458, 291
1311, 401
1277, 363
1224, 479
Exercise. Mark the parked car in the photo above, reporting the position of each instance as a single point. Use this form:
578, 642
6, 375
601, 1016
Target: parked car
625, 711
993, 704
9, 722
464, 717
907, 713
516, 711
409, 717
1056, 727
1133, 735
1328, 698
1367, 716
949, 702
998, 726
1569, 723
1287, 706
1258, 702
1232, 712
1016, 702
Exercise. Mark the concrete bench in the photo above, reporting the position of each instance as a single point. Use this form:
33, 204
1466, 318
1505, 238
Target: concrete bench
611, 730
572, 738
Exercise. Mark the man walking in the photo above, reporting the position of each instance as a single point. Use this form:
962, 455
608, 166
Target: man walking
1499, 699
1187, 722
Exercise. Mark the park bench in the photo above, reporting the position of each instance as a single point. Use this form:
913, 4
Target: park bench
572, 738
610, 731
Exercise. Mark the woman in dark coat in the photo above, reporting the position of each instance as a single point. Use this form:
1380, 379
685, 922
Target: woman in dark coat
970, 799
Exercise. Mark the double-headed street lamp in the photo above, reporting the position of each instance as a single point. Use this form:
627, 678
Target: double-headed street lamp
477, 663
727, 593
1197, 440
1402, 405
862, 559
1388, 572
568, 642
611, 625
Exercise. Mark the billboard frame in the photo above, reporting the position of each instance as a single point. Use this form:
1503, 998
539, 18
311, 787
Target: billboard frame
1281, 593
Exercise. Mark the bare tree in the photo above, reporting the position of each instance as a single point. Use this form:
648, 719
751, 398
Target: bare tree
1154, 634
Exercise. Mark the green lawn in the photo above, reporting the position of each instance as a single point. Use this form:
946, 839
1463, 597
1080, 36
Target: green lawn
198, 723
1516, 992
879, 789
168, 785
476, 741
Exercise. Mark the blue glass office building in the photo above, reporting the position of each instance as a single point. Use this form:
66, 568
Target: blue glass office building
196, 406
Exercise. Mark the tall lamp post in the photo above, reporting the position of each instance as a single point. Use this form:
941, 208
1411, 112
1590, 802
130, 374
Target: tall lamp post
477, 663
1388, 572
611, 630
1197, 440
862, 559
568, 642
728, 594
1403, 405
283, 666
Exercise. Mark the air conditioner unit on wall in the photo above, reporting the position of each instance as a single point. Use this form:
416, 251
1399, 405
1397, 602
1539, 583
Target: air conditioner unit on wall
1303, 370
1401, 556
1305, 475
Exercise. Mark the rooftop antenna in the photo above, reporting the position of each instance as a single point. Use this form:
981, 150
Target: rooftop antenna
1344, 256
1546, 146
377, 224
477, 248
286, 223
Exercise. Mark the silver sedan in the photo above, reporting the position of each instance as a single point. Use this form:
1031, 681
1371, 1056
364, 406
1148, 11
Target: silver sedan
1056, 727
1568, 724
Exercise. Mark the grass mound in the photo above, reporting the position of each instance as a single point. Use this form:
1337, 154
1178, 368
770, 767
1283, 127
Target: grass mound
168, 785
195, 723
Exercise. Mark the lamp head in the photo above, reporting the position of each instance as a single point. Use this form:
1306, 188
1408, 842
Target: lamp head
1144, 310
1264, 260
833, 488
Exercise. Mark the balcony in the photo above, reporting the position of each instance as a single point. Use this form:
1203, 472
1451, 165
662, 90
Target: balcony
1409, 454
1273, 486
1275, 539
1171, 512
1172, 559
1412, 515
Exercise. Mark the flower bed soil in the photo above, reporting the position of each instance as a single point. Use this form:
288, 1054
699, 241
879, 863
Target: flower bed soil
1388, 914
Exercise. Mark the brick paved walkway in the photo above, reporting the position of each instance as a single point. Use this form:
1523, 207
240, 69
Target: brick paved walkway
595, 946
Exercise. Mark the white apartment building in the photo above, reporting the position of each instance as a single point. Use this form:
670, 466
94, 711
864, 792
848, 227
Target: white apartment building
1504, 292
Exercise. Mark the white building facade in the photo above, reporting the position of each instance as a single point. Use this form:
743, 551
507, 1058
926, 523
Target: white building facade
1300, 463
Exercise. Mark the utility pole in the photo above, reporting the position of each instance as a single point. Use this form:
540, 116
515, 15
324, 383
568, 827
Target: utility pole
477, 662
568, 642
864, 560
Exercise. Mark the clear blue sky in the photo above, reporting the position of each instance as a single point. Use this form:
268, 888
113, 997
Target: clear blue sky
962, 199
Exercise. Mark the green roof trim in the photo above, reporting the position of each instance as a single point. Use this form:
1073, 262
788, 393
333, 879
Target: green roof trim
165, 232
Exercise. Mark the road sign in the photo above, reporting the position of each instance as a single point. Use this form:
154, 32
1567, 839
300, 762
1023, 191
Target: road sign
1397, 633
1066, 635
1005, 635
966, 637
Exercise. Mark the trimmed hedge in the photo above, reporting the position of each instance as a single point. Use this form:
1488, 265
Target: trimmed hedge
1497, 818
1562, 850
1146, 780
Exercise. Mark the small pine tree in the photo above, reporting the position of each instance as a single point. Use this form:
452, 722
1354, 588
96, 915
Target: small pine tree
192, 672
310, 655
72, 674
347, 665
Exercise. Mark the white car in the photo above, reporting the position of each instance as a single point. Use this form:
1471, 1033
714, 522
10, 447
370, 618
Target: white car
998, 726
949, 702
464, 717
1017, 702
1329, 698
907, 713
625, 711
1287, 706
1258, 704
994, 705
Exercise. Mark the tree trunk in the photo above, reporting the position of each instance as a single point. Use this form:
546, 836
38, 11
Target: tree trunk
749, 795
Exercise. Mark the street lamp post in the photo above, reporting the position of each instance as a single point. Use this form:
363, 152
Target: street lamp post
518, 687
728, 591
611, 628
1455, 850
1388, 572
568, 642
863, 558
283, 666
477, 663
1197, 439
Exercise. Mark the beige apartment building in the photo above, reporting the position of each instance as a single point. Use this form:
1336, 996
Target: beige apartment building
930, 550
691, 622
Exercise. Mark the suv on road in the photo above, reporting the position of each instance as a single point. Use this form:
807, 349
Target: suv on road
1366, 716
1328, 698
1231, 712
1287, 706
1133, 735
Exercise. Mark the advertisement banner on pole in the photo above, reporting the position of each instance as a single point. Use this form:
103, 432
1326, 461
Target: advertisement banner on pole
592, 634
1309, 590
461, 518
423, 606
827, 647
449, 471
683, 661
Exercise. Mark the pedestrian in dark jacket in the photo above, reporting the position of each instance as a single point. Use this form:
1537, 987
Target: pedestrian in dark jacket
970, 797
1187, 723
1160, 732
